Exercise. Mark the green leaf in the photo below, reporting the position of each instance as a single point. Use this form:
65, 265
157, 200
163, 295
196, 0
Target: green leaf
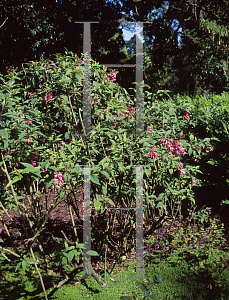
152, 296
160, 197
159, 204
76, 252
70, 256
17, 178
63, 156
28, 165
71, 150
146, 144
121, 167
147, 172
124, 137
48, 185
92, 253
22, 135
104, 190
105, 173
78, 170
4, 133
1, 241
24, 265
61, 195
97, 201
64, 260
142, 286
6, 144
107, 199
171, 171
32, 169
18, 266
95, 179
32, 261
96, 85
157, 278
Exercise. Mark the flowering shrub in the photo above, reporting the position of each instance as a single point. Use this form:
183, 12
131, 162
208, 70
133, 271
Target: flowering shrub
52, 148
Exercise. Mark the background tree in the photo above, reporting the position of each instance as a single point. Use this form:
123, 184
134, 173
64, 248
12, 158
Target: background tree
32, 30
184, 55
185, 45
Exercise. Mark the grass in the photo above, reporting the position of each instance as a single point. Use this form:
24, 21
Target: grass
182, 279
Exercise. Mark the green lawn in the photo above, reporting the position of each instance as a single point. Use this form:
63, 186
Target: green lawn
180, 281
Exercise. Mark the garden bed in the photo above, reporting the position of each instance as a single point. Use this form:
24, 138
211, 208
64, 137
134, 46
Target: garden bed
60, 220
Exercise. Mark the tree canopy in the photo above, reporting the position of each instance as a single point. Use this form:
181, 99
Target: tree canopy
185, 45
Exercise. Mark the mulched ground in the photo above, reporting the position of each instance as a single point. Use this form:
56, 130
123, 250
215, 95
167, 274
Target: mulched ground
60, 220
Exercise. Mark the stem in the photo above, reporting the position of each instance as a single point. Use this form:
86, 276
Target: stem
38, 271
31, 250
102, 145
163, 121
72, 219
14, 194
105, 263
82, 122
10, 237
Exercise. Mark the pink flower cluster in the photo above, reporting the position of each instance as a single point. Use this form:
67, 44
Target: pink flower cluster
132, 109
112, 76
182, 171
173, 146
152, 154
48, 96
28, 122
96, 266
93, 101
30, 94
185, 114
193, 182
59, 180
116, 125
209, 149
29, 140
35, 155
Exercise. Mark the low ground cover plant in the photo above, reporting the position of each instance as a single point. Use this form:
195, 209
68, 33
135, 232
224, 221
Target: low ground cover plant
183, 278
43, 147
